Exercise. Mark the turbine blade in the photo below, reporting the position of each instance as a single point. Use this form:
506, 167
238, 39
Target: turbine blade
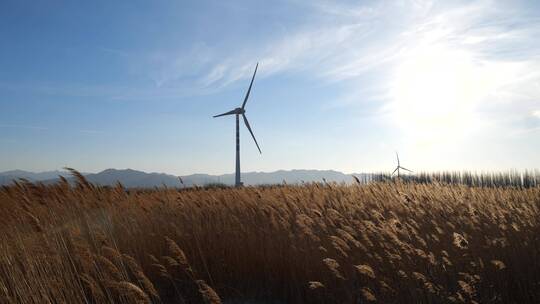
227, 113
394, 171
250, 131
397, 156
405, 169
250, 85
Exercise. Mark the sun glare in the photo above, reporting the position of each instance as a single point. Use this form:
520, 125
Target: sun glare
434, 92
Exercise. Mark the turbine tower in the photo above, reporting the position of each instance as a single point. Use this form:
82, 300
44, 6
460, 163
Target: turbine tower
399, 167
238, 112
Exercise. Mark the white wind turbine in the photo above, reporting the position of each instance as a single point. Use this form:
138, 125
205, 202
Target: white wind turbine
238, 112
399, 167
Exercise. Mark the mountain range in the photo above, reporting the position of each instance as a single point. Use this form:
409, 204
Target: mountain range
8, 176
133, 178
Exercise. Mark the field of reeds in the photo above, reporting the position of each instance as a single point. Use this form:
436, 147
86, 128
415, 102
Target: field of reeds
519, 179
383, 242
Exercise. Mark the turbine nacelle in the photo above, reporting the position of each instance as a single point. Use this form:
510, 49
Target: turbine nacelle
237, 111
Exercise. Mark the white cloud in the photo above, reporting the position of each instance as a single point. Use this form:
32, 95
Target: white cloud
473, 59
342, 48
453, 70
20, 126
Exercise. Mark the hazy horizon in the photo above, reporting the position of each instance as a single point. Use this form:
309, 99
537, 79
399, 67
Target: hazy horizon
341, 86
389, 171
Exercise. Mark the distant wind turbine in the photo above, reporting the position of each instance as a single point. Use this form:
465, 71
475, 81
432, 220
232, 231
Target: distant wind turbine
238, 112
399, 167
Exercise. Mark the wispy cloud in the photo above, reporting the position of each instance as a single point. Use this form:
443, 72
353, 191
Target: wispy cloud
28, 127
372, 36
351, 42
50, 129
492, 41
91, 132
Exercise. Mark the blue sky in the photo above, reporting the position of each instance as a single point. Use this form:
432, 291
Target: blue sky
341, 85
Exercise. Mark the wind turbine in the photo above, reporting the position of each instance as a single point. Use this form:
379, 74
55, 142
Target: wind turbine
399, 167
238, 112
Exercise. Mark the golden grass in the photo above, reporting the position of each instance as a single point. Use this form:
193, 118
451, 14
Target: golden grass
383, 242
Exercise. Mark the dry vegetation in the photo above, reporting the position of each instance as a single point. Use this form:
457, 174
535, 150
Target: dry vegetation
383, 242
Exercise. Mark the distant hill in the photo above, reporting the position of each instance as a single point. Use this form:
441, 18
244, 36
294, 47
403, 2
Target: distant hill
277, 177
8, 176
133, 178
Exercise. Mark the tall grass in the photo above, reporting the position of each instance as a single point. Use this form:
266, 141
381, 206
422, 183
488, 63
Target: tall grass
525, 179
387, 242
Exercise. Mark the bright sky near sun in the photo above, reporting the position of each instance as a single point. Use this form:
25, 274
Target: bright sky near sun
341, 85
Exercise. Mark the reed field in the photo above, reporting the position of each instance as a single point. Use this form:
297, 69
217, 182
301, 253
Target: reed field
381, 242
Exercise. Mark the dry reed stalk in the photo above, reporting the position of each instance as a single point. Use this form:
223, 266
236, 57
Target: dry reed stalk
129, 291
365, 271
315, 285
333, 266
93, 289
499, 265
367, 294
177, 253
139, 275
209, 295
107, 269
